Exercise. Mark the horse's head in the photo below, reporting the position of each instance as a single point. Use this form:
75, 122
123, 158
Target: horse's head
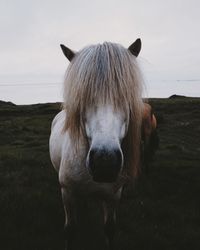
105, 130
103, 93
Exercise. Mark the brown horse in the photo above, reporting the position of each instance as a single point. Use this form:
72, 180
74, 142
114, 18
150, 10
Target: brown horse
149, 137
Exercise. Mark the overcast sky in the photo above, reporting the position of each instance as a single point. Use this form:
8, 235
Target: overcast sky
32, 65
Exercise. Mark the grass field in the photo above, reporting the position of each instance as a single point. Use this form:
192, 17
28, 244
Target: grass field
162, 212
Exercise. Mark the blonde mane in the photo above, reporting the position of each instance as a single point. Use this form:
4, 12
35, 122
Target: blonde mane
105, 74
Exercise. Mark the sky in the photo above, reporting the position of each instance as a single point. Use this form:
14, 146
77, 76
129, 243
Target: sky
32, 65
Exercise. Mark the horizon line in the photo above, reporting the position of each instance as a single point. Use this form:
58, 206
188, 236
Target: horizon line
5, 84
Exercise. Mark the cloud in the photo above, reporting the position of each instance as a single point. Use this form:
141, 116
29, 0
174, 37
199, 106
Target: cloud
31, 31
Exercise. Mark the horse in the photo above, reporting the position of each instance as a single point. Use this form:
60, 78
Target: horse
95, 139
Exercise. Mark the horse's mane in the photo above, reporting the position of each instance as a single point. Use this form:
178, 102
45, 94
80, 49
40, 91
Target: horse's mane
105, 74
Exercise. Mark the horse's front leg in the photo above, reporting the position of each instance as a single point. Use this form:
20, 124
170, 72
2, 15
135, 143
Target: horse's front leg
70, 219
110, 208
110, 222
83, 223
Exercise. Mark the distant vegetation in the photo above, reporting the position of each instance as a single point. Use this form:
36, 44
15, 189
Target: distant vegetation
161, 212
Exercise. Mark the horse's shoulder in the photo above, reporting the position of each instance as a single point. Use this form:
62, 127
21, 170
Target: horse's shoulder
60, 117
57, 139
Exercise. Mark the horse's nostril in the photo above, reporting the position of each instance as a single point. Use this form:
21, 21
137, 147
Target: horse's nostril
118, 155
92, 152
92, 158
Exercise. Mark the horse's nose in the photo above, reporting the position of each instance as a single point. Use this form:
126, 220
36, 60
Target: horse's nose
104, 165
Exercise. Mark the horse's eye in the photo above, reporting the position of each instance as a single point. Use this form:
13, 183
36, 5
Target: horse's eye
84, 119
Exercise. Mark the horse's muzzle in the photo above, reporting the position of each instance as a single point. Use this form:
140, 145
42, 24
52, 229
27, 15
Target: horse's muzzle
105, 165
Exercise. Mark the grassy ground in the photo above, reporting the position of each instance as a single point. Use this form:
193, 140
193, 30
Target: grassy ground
162, 212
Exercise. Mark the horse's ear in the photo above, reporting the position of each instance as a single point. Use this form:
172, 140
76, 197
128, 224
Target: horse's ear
67, 52
135, 47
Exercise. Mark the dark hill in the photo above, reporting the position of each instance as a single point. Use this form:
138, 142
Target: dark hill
177, 96
162, 212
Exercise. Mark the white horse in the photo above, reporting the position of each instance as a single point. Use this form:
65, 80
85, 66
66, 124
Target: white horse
95, 139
